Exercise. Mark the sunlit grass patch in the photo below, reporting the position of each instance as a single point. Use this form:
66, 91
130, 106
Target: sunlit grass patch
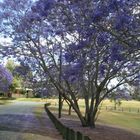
5, 100
39, 113
32, 99
126, 120
7, 135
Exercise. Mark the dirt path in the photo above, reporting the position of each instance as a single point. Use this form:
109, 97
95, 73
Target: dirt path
17, 121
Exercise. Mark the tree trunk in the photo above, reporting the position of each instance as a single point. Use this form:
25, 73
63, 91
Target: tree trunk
90, 121
79, 114
60, 106
69, 110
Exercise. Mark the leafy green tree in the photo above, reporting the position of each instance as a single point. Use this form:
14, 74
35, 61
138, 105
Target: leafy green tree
10, 65
136, 93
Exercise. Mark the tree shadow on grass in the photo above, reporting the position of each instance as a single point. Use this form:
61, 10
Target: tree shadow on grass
27, 124
3, 103
7, 98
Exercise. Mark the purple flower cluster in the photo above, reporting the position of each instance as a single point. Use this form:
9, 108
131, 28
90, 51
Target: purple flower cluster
103, 39
69, 57
100, 13
73, 73
104, 34
22, 70
78, 46
6, 79
116, 52
123, 21
42, 7
114, 5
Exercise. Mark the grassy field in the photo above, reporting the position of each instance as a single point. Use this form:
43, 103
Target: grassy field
127, 120
4, 101
32, 99
123, 120
126, 106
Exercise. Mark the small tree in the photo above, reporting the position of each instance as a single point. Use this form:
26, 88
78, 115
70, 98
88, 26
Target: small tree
117, 96
136, 93
17, 79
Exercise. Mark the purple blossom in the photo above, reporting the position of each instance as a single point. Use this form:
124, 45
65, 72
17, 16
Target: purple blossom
117, 57
115, 48
43, 6
33, 17
92, 54
59, 32
105, 59
73, 73
97, 16
102, 69
116, 53
87, 33
100, 33
102, 39
122, 21
114, 5
136, 82
43, 50
99, 13
6, 79
79, 46
69, 57
22, 69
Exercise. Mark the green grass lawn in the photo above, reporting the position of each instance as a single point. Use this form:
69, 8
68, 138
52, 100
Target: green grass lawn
32, 99
126, 120
5, 100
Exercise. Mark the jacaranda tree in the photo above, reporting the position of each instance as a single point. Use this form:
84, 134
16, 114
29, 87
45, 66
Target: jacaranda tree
89, 48
5, 79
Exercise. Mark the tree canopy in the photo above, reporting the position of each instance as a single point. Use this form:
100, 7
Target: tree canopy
87, 47
5, 79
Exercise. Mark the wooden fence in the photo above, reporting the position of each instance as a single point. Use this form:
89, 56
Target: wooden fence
66, 132
121, 109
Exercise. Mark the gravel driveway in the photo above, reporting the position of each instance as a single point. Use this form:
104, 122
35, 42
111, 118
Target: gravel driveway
18, 122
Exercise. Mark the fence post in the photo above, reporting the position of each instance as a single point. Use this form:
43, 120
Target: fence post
64, 132
138, 110
86, 138
79, 136
72, 134
67, 133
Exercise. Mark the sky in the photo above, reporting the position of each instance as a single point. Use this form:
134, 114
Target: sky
6, 41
